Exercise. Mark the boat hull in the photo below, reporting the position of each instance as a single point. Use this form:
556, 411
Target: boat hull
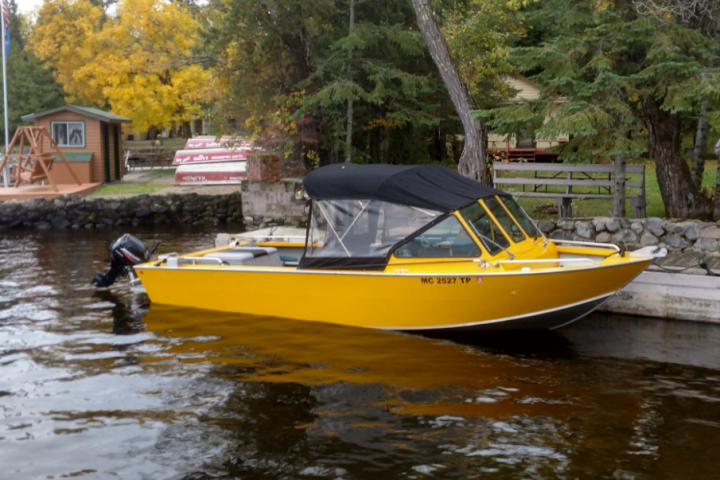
211, 155
393, 301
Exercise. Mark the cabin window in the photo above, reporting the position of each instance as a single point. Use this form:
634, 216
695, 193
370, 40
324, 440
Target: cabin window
505, 220
521, 217
69, 134
361, 228
485, 229
446, 239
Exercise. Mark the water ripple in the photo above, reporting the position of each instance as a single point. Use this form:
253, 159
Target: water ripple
100, 384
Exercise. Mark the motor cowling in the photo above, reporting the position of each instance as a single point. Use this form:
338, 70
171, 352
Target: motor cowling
126, 252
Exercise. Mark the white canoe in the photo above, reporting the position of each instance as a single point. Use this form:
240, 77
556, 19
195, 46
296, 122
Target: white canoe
231, 173
211, 155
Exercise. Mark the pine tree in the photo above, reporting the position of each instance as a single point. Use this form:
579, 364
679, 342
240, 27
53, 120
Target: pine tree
31, 88
288, 72
620, 83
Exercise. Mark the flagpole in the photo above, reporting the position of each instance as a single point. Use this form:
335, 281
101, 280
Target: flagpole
5, 173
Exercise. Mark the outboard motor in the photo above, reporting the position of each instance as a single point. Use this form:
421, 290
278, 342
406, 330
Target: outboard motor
126, 252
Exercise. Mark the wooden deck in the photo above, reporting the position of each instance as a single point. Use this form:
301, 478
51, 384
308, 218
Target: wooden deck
28, 192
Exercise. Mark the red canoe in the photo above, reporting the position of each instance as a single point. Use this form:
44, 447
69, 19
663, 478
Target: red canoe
211, 174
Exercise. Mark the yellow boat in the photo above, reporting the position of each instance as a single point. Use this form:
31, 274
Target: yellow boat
408, 248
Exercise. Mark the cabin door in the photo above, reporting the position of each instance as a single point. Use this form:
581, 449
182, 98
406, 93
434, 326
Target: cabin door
106, 150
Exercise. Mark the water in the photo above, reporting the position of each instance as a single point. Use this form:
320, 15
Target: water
100, 384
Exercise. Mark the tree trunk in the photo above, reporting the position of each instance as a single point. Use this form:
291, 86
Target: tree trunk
472, 161
187, 130
680, 195
619, 195
701, 137
152, 133
441, 141
349, 130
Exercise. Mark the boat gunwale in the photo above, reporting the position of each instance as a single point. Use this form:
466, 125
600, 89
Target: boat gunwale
295, 270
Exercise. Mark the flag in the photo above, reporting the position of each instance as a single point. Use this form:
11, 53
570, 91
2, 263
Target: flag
6, 18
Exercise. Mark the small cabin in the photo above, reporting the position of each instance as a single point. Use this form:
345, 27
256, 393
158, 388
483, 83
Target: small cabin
527, 147
90, 140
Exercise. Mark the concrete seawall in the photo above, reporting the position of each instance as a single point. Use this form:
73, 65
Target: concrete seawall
691, 296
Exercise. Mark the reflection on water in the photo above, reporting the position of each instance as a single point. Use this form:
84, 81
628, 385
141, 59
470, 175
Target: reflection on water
99, 384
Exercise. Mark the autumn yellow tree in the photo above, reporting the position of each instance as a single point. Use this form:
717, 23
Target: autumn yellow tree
140, 62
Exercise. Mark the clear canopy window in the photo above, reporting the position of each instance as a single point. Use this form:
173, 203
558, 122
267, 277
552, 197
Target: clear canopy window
446, 239
505, 220
361, 228
485, 229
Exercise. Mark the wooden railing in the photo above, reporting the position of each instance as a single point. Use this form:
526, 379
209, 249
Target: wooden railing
567, 177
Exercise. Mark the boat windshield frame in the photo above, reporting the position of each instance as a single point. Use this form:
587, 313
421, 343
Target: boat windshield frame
373, 254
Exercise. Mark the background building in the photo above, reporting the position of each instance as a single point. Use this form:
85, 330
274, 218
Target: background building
90, 139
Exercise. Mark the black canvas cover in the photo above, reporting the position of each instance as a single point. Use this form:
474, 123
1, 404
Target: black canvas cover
424, 186
343, 263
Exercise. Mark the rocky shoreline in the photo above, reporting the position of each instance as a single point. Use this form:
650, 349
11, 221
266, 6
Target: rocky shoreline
675, 235
76, 212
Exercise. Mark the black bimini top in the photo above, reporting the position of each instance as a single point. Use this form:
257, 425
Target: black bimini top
424, 186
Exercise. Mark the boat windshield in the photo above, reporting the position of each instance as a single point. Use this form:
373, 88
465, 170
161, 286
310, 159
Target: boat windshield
505, 220
361, 228
521, 217
485, 229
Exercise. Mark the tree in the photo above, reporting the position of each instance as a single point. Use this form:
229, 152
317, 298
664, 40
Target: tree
142, 62
703, 16
473, 159
349, 128
31, 88
619, 83
701, 139
289, 69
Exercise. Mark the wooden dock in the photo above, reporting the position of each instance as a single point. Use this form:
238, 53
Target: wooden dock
28, 192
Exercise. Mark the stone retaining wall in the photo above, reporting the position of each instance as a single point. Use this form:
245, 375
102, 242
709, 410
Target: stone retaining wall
264, 204
680, 235
82, 212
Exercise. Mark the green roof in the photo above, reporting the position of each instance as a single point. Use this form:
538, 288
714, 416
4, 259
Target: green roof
91, 112
74, 156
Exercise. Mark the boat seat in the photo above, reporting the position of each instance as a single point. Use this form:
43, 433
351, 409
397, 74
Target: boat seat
254, 250
260, 256
231, 258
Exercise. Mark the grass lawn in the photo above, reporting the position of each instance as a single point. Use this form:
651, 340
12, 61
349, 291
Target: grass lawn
603, 207
164, 172
130, 189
